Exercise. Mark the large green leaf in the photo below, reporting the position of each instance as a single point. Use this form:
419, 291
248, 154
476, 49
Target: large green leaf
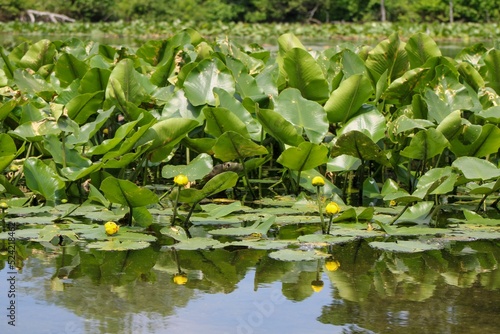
419, 48
165, 135
35, 131
126, 83
8, 150
372, 123
195, 170
202, 79
359, 145
303, 113
220, 120
231, 145
476, 169
345, 101
39, 54
96, 79
438, 181
127, 193
478, 141
492, 62
389, 55
83, 106
278, 127
68, 68
43, 180
121, 133
215, 185
425, 145
304, 73
303, 157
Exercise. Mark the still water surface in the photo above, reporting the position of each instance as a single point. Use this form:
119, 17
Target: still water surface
75, 290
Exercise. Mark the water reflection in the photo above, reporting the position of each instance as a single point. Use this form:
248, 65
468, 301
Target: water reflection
76, 290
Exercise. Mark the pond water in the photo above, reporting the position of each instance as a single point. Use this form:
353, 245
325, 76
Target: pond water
72, 289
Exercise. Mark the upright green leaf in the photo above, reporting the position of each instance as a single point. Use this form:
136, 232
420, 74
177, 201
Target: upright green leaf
425, 145
39, 54
346, 100
68, 68
127, 193
305, 74
359, 145
125, 82
389, 55
233, 146
304, 157
8, 150
421, 47
201, 81
476, 169
278, 127
43, 180
220, 120
492, 62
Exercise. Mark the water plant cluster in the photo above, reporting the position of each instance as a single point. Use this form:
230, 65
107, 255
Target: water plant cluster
396, 135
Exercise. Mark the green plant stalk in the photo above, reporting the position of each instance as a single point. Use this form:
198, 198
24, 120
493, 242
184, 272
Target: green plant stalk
318, 198
481, 202
175, 204
297, 189
329, 225
399, 214
361, 181
246, 180
63, 142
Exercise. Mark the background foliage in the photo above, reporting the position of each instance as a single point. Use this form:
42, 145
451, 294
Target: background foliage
261, 10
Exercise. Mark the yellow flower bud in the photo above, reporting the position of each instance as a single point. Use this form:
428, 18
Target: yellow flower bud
317, 285
4, 206
332, 208
318, 181
111, 228
393, 203
181, 180
180, 279
332, 265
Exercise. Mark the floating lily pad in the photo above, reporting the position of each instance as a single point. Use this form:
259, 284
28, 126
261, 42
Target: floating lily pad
261, 244
257, 228
198, 243
325, 239
296, 255
118, 245
404, 246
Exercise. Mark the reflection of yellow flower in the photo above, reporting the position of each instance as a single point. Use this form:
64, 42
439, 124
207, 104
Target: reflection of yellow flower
181, 180
332, 208
317, 285
111, 228
180, 279
318, 181
4, 206
332, 265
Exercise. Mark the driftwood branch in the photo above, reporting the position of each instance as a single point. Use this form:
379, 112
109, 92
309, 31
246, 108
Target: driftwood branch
33, 14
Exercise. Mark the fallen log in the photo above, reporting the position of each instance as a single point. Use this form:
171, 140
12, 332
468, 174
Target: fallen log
54, 17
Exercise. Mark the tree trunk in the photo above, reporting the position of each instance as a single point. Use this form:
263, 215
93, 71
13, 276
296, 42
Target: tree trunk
382, 10
451, 11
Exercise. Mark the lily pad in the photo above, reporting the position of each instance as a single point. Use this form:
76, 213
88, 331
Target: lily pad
197, 243
296, 255
404, 246
118, 245
325, 239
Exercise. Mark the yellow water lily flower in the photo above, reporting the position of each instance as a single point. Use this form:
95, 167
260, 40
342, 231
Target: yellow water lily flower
181, 180
111, 228
332, 265
318, 181
4, 206
180, 279
332, 208
317, 285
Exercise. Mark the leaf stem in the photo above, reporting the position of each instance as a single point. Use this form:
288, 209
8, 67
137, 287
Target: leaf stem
318, 198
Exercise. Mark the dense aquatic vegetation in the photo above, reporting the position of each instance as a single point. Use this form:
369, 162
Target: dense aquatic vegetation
400, 135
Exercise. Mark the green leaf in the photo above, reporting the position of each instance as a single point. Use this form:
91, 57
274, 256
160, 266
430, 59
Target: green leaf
201, 81
126, 85
220, 120
403, 246
198, 243
425, 145
233, 146
305, 74
127, 193
420, 47
492, 62
118, 245
278, 127
359, 145
372, 123
39, 54
260, 228
303, 113
81, 107
221, 210
389, 55
215, 185
476, 169
477, 143
68, 68
345, 101
43, 180
8, 151
195, 170
306, 156
296, 255
95, 80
